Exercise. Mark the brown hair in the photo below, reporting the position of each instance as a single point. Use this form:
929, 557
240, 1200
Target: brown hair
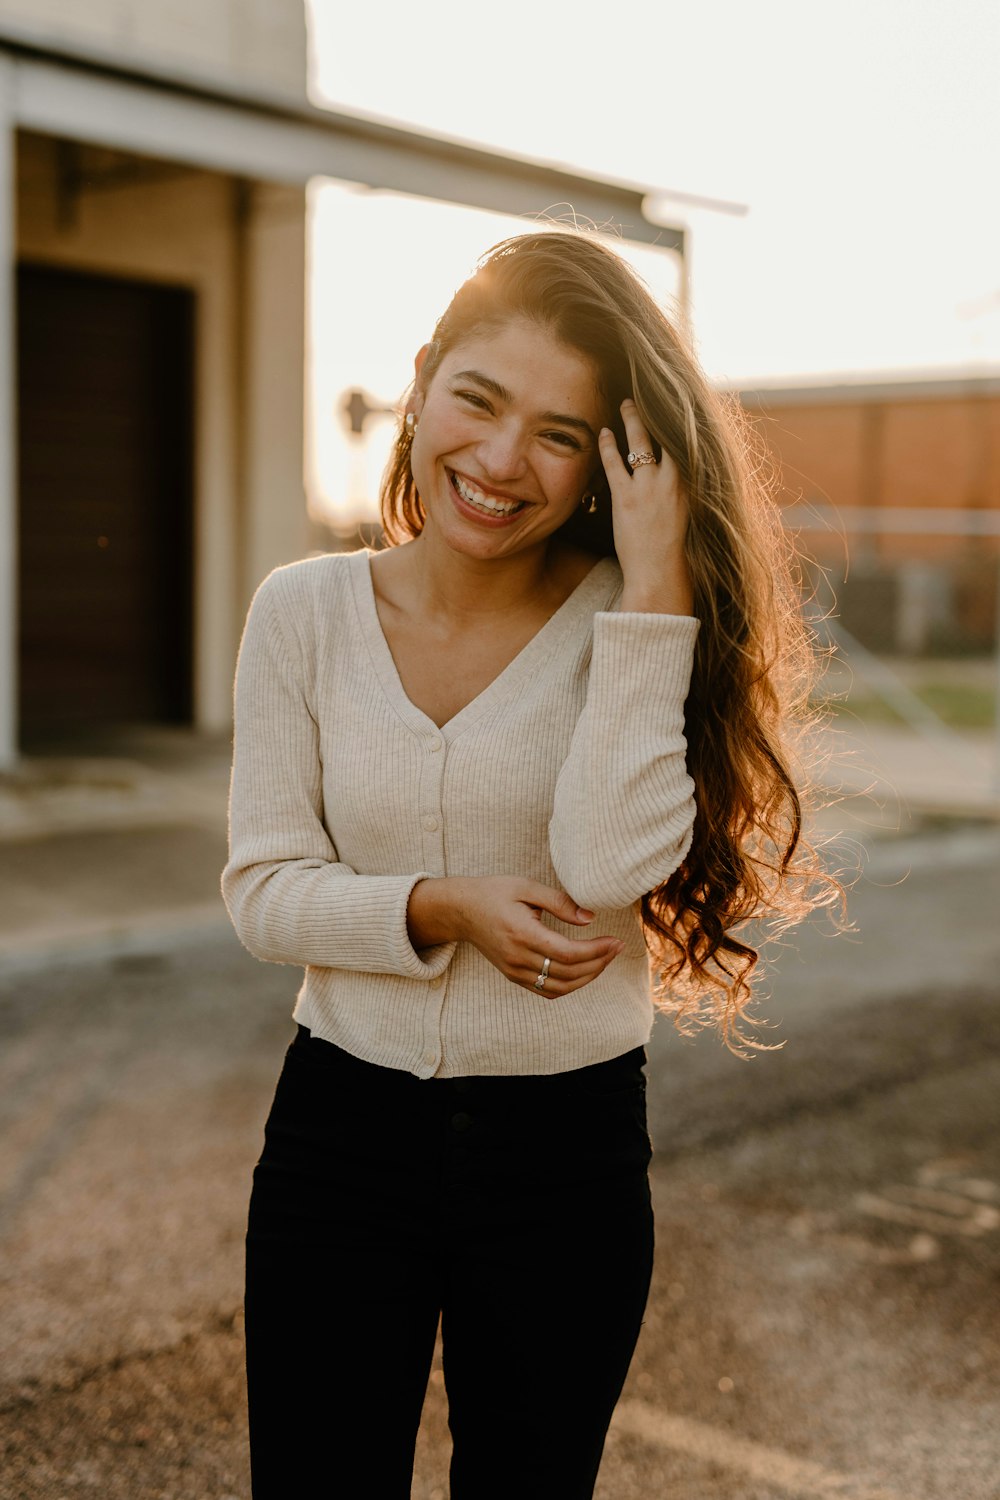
755, 663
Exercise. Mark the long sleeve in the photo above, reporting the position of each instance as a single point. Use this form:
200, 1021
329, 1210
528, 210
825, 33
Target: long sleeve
289, 897
624, 809
569, 768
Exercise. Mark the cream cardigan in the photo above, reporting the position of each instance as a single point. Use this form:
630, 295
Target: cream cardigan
568, 769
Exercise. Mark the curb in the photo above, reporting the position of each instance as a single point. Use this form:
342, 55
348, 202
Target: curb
101, 938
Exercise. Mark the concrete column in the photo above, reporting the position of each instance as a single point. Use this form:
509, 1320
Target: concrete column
8, 430
218, 570
275, 519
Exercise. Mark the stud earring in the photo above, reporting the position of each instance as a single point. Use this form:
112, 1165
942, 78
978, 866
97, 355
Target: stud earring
410, 424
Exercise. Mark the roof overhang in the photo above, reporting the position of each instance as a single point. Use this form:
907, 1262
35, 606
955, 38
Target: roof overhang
941, 384
175, 119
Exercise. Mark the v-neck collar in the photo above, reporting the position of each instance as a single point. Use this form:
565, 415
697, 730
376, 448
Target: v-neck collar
591, 592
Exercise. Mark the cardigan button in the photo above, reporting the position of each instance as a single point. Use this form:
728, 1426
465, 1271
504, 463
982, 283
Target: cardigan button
435, 742
461, 1121
431, 824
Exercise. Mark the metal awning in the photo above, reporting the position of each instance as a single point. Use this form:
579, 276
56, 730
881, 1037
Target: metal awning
187, 120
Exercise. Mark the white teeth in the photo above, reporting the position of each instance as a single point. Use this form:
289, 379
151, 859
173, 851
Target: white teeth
483, 502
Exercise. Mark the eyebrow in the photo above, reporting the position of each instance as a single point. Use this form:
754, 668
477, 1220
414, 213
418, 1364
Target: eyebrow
503, 394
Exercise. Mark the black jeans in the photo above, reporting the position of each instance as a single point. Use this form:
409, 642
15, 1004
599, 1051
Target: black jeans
516, 1209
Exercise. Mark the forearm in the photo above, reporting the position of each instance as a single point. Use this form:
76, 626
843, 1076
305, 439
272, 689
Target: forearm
435, 910
317, 912
668, 593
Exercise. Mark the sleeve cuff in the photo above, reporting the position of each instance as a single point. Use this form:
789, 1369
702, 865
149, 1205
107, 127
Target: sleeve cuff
427, 963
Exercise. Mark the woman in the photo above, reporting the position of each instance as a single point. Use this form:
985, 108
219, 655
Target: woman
467, 799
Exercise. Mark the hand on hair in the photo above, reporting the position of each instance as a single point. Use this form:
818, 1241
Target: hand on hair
649, 514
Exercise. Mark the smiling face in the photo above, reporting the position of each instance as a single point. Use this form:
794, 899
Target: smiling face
506, 442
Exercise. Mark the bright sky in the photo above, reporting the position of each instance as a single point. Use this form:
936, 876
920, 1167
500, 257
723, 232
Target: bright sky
864, 138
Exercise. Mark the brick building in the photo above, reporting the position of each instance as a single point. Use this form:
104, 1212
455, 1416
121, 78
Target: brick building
894, 491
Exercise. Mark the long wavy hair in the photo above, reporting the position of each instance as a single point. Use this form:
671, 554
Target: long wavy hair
747, 713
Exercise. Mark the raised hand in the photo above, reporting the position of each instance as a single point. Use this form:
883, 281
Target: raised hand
500, 915
649, 514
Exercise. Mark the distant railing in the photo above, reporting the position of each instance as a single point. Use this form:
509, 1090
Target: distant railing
905, 520
880, 678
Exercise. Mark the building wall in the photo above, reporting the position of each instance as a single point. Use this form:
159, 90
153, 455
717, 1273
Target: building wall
241, 248
257, 46
940, 450
943, 452
882, 450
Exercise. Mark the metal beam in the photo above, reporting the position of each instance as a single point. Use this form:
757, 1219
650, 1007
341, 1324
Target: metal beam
893, 520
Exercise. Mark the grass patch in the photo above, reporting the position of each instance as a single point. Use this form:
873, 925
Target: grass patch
961, 705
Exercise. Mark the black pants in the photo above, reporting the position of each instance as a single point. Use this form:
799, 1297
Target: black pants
517, 1209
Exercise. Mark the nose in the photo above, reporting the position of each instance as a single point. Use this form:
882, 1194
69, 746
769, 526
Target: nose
502, 452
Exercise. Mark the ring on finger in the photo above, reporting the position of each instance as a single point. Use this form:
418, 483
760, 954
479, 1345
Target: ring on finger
540, 981
636, 460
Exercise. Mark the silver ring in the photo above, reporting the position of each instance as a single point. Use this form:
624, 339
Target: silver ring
636, 460
540, 981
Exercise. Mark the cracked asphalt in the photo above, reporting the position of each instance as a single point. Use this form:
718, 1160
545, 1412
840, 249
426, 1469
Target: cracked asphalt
824, 1312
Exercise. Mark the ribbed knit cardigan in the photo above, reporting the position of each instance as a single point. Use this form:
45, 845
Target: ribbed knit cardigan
568, 769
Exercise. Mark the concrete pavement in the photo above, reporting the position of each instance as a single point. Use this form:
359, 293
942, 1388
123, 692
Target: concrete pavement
100, 851
827, 1221
826, 1250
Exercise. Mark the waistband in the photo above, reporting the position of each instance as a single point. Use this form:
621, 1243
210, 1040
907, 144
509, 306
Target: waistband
346, 1066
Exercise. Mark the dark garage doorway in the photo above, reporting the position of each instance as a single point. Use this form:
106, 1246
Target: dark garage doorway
105, 431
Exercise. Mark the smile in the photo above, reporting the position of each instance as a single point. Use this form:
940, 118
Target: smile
482, 502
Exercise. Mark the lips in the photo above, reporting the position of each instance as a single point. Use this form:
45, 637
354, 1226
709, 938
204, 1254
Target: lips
496, 507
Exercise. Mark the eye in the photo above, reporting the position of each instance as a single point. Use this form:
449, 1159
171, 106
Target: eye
474, 399
564, 440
